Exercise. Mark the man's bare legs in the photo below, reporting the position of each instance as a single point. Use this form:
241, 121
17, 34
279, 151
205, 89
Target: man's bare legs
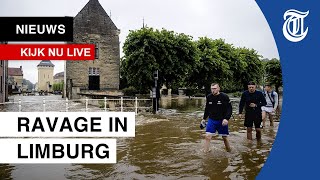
271, 118
207, 142
258, 134
226, 143
264, 116
208, 139
249, 133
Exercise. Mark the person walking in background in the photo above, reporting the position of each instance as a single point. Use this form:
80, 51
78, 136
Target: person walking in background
252, 100
272, 104
218, 109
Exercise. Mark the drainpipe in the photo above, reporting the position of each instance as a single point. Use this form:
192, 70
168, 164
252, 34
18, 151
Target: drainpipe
4, 77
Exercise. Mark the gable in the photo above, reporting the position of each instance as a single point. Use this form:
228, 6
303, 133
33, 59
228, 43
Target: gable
93, 19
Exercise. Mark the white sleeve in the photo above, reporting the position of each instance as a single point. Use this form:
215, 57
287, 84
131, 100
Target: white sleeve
276, 99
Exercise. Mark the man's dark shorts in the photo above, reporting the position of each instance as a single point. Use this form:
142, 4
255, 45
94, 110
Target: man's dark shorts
251, 119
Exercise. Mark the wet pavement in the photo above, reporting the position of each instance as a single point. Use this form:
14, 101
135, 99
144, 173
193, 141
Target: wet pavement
167, 146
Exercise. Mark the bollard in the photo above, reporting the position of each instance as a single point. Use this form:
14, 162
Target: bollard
105, 104
67, 105
121, 102
19, 105
44, 105
136, 105
86, 104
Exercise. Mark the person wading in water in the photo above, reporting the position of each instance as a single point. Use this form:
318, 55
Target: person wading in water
219, 110
252, 100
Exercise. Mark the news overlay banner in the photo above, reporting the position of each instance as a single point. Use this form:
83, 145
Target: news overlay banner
67, 124
47, 52
47, 151
36, 29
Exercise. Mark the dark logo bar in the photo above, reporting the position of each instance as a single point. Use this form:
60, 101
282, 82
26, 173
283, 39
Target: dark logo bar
36, 28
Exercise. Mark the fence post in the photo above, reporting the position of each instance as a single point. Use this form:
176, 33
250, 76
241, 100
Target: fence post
136, 105
86, 104
44, 104
67, 105
121, 102
19, 105
105, 104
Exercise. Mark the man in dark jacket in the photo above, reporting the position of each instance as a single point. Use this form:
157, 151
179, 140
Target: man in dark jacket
219, 110
252, 100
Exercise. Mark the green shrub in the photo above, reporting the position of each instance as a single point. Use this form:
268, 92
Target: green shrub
199, 94
130, 91
237, 94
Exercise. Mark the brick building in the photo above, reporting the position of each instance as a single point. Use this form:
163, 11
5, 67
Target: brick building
93, 25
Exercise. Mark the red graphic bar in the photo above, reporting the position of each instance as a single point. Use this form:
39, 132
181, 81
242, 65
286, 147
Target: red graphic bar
47, 52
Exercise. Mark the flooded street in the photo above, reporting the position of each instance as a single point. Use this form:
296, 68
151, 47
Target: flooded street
167, 146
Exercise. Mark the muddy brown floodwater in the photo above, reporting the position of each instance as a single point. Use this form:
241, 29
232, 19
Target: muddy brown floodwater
167, 146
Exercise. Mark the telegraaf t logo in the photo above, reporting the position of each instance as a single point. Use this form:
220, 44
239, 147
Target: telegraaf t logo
293, 28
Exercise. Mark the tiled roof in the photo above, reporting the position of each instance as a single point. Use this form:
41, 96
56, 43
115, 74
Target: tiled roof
60, 74
46, 63
15, 72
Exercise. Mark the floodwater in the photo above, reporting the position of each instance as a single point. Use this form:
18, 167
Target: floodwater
167, 146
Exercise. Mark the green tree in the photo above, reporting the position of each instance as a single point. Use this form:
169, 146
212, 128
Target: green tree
212, 67
252, 64
147, 50
237, 66
57, 86
274, 73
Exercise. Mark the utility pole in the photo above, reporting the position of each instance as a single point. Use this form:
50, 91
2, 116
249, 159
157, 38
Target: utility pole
154, 92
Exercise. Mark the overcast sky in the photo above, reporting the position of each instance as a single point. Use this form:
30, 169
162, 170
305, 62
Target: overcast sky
239, 22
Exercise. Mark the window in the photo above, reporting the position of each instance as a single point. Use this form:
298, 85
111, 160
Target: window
98, 72
94, 71
96, 50
90, 71
1, 62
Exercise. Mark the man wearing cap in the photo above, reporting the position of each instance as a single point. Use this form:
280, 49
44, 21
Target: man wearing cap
252, 101
219, 110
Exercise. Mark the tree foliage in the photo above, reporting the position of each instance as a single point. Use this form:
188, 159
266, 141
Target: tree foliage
182, 62
212, 66
58, 86
274, 73
253, 67
147, 50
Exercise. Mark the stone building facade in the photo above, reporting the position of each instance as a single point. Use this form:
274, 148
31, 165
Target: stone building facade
15, 75
3, 79
45, 76
92, 25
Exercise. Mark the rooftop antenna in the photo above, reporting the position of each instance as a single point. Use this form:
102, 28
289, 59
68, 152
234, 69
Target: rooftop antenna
143, 22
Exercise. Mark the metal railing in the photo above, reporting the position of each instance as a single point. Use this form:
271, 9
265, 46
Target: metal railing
120, 104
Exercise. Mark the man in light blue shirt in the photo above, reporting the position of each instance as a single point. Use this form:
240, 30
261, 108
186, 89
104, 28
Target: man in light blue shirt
272, 104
